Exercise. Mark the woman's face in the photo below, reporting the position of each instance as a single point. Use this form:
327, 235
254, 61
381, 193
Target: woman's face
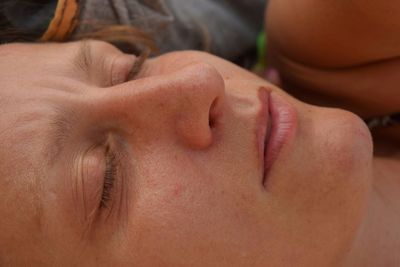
194, 162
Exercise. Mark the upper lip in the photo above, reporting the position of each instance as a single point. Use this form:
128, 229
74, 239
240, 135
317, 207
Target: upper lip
264, 122
282, 120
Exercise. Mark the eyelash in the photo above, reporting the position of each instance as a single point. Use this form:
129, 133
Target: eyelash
109, 178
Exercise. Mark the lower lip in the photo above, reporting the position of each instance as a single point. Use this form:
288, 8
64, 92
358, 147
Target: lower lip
283, 126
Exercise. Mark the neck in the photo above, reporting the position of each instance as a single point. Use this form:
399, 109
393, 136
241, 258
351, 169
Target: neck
378, 240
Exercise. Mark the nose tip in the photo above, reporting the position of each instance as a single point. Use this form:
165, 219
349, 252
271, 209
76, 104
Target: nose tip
201, 104
196, 129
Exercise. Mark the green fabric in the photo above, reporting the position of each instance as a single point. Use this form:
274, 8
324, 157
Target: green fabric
261, 64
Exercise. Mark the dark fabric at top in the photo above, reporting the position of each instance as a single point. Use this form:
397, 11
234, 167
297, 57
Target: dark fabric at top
226, 28
25, 19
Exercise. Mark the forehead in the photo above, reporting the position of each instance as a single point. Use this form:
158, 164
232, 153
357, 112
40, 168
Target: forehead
14, 54
22, 62
21, 175
28, 118
31, 75
22, 49
21, 132
26, 126
23, 168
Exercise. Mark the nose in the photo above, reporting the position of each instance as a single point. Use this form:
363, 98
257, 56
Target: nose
184, 104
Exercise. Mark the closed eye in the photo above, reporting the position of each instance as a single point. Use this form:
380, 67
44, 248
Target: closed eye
110, 174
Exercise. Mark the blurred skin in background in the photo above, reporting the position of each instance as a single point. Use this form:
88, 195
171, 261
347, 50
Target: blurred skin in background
339, 54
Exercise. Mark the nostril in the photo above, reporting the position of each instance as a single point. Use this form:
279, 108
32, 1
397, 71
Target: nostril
213, 113
211, 122
198, 105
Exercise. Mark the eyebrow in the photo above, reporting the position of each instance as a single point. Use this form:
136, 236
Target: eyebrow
61, 125
83, 58
63, 119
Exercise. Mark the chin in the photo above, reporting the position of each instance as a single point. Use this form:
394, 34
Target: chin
357, 137
348, 146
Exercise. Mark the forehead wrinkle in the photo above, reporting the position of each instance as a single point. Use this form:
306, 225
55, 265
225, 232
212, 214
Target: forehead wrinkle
26, 179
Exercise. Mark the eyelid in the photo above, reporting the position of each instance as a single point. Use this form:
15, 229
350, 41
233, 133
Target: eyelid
121, 68
91, 178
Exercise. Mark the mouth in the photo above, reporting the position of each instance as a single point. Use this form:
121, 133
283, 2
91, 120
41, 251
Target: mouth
278, 121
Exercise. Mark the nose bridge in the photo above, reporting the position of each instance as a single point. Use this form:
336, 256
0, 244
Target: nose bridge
181, 101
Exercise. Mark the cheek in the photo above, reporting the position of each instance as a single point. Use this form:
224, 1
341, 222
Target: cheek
169, 196
188, 214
